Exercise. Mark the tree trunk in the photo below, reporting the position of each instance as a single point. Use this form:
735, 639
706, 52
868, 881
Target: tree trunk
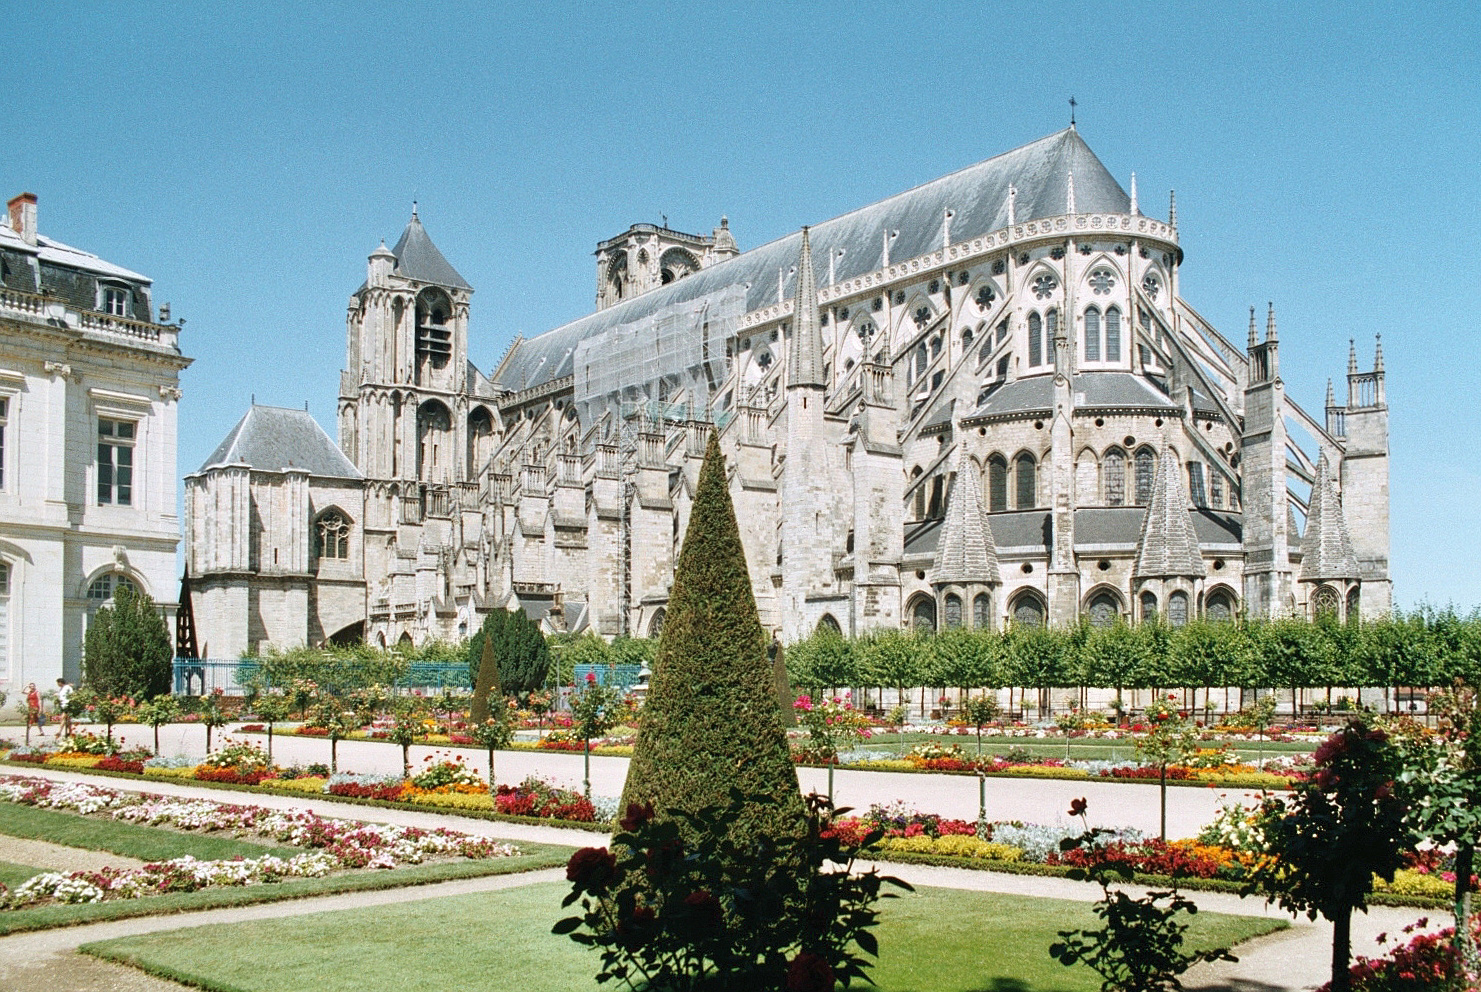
1341, 951
1162, 783
1465, 944
334, 755
406, 761
491, 770
156, 742
208, 736
269, 743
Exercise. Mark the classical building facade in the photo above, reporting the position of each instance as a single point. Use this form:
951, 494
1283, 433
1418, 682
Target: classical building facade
979, 401
89, 388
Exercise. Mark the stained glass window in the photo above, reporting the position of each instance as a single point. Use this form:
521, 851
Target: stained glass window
1028, 611
1115, 478
1195, 484
1177, 609
1025, 468
953, 618
982, 611
1092, 335
1113, 335
1044, 285
1035, 339
997, 483
1146, 470
1103, 610
1102, 281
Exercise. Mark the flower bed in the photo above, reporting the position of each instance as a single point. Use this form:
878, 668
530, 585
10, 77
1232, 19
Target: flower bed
332, 844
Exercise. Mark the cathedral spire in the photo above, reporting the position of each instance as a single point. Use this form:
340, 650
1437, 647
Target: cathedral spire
1331, 396
1169, 545
1069, 192
966, 553
1378, 353
1326, 549
1134, 208
805, 357
1254, 337
1270, 323
1352, 357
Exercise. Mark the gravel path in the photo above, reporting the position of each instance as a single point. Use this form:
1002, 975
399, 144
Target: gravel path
58, 857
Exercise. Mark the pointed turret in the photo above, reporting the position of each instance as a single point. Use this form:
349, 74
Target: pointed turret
1169, 544
1326, 549
1331, 396
724, 246
805, 357
1270, 323
1254, 335
1352, 357
966, 553
418, 258
1378, 353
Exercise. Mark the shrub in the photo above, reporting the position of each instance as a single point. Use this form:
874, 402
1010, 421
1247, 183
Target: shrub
712, 720
523, 656
128, 647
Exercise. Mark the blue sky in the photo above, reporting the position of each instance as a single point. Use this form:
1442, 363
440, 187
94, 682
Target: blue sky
249, 157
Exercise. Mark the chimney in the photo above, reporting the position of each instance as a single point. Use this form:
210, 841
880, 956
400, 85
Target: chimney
23, 216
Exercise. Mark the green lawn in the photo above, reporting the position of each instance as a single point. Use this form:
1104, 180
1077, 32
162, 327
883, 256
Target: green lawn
12, 875
128, 839
44, 917
937, 939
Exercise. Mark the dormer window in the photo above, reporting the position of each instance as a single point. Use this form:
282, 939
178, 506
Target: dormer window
116, 301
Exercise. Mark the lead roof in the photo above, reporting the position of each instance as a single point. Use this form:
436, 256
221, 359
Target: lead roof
275, 439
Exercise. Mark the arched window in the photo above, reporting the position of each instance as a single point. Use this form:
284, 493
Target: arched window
1113, 335
1325, 601
922, 361
105, 587
1354, 610
332, 535
1216, 489
1026, 477
4, 613
982, 611
434, 434
935, 346
953, 611
434, 344
920, 494
1219, 606
1092, 334
1103, 609
1195, 484
1149, 606
997, 483
1035, 339
1028, 610
1177, 609
1051, 328
1087, 479
826, 622
655, 626
923, 614
938, 497
1115, 477
480, 439
1146, 472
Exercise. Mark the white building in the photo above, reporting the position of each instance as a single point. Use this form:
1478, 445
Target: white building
89, 388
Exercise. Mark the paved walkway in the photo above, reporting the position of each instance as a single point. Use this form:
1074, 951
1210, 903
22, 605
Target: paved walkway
1031, 800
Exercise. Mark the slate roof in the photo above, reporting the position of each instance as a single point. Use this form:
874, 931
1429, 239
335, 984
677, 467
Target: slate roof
55, 253
1169, 544
1118, 390
977, 195
966, 552
418, 258
274, 439
1326, 550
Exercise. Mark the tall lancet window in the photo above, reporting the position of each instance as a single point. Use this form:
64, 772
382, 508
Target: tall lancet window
982, 611
1035, 339
1115, 477
1026, 470
1146, 470
1092, 335
997, 483
1113, 335
1195, 484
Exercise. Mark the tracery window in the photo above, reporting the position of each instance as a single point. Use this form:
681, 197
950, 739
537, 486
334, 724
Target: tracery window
997, 483
923, 614
1219, 608
1325, 601
333, 534
1035, 339
1045, 285
1113, 335
1195, 484
1177, 609
1025, 470
1115, 477
953, 612
985, 296
1092, 335
1149, 606
865, 330
922, 316
1151, 285
982, 611
1102, 281
1216, 490
1354, 607
1028, 610
1146, 471
1103, 610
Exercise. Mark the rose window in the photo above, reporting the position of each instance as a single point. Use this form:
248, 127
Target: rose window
922, 316
1152, 285
1044, 285
985, 296
1102, 281
865, 330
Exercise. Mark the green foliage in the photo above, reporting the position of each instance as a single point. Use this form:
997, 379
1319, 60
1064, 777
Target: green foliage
712, 720
709, 908
594, 709
334, 670
524, 657
485, 683
1140, 949
127, 650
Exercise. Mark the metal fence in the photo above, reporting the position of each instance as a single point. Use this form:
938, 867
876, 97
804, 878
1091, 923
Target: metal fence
622, 676
199, 676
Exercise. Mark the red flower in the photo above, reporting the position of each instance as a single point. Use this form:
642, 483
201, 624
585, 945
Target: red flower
591, 869
637, 815
705, 907
809, 972
1078, 807
591, 678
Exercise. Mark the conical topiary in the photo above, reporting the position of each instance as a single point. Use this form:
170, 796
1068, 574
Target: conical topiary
487, 684
712, 720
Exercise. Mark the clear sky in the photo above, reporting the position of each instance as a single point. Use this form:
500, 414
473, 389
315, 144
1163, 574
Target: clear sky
249, 156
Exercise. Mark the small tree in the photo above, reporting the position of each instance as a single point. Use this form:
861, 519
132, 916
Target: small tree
156, 712
979, 712
108, 710
1169, 740
1343, 826
127, 650
592, 711
273, 708
1141, 947
495, 733
407, 728
212, 714
539, 701
485, 684
524, 657
340, 723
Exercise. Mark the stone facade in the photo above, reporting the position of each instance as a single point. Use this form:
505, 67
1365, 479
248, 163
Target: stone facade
1018, 321
89, 389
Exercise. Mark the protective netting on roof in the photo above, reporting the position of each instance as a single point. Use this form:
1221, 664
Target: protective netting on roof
665, 365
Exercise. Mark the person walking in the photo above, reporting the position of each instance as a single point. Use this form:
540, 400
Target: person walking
64, 714
33, 712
